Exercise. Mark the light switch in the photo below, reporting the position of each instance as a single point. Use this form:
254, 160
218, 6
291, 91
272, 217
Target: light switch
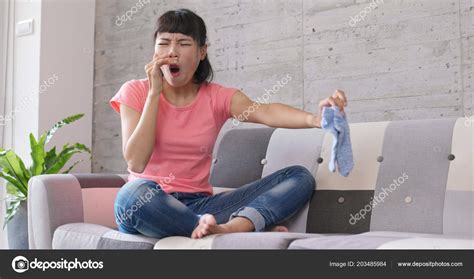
24, 27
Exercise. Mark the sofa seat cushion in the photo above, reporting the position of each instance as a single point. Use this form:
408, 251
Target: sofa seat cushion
384, 240
244, 240
92, 236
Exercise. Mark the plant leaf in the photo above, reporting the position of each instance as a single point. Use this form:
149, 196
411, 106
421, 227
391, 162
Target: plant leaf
12, 205
37, 155
12, 208
17, 174
62, 123
42, 139
82, 147
72, 166
14, 182
50, 158
63, 158
15, 168
11, 189
26, 172
3, 161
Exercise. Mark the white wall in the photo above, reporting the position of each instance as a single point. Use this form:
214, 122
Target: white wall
67, 50
26, 75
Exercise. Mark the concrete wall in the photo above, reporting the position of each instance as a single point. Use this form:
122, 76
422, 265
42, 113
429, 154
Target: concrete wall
403, 60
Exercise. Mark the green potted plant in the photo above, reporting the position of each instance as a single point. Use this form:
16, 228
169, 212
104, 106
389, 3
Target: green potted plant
17, 175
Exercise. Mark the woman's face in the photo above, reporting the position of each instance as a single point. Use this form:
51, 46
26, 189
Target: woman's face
189, 55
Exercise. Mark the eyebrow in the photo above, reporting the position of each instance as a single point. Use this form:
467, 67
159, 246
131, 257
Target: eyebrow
185, 39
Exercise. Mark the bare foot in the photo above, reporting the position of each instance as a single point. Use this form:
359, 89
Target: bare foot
279, 229
207, 226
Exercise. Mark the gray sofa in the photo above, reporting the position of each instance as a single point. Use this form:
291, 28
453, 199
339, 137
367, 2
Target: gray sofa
411, 188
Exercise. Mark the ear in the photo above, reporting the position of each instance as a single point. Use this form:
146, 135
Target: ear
203, 52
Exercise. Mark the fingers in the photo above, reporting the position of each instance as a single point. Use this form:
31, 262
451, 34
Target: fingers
337, 102
329, 102
338, 99
339, 94
160, 61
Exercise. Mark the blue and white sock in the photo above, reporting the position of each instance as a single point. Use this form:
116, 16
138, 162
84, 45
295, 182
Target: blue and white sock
335, 122
327, 123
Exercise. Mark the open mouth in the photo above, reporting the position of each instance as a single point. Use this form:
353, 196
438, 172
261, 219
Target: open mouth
174, 69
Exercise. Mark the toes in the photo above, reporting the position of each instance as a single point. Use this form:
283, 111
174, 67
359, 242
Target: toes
283, 229
206, 226
209, 219
201, 234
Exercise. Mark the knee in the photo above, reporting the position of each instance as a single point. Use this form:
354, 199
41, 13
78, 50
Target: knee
132, 197
304, 175
134, 191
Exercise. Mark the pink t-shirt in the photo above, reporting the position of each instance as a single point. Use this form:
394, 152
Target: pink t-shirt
185, 136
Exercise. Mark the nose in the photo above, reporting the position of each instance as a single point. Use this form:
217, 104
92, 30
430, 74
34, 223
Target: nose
173, 51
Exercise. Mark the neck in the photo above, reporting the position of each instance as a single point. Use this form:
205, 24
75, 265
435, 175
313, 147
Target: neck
180, 95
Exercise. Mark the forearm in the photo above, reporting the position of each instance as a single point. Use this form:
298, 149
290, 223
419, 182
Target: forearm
283, 116
141, 143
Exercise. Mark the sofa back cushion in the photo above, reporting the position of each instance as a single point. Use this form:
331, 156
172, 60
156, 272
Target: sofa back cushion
288, 147
412, 179
238, 157
338, 197
409, 176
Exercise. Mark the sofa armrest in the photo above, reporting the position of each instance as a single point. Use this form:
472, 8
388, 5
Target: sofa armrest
57, 199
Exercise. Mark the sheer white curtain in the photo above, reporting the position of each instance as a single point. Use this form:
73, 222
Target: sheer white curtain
6, 17
4, 8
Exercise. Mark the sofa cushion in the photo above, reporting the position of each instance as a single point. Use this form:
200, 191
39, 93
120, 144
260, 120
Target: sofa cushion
458, 216
91, 236
384, 240
238, 158
415, 162
258, 240
253, 240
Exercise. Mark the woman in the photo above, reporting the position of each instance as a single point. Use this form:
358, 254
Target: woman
170, 122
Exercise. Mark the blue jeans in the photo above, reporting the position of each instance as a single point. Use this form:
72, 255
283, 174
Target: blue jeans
143, 207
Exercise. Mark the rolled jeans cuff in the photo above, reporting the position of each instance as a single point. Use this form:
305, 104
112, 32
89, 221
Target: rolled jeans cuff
253, 215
